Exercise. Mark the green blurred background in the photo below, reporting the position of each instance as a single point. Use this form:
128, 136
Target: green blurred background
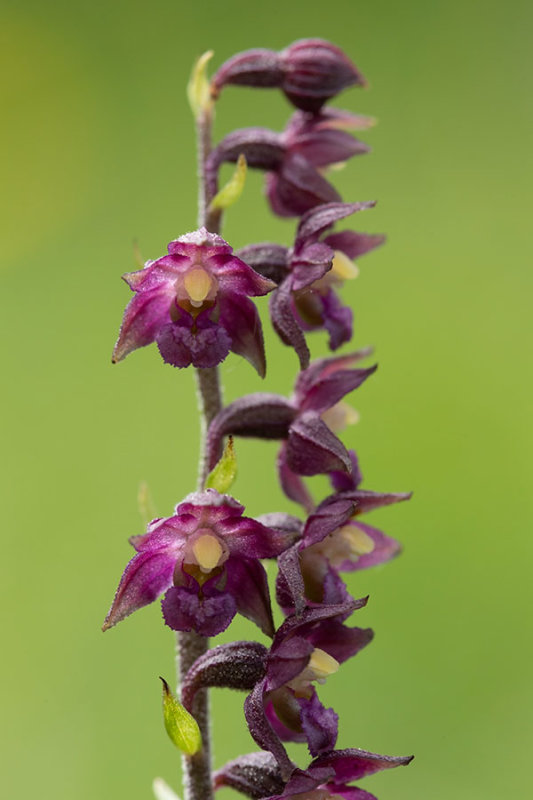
97, 151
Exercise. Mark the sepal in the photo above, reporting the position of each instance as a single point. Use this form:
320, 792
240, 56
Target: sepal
256, 775
237, 665
261, 415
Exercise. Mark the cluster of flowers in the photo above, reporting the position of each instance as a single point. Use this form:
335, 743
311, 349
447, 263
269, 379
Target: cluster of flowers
205, 559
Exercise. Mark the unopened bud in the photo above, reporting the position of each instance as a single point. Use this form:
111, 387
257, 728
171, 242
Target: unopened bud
309, 72
315, 71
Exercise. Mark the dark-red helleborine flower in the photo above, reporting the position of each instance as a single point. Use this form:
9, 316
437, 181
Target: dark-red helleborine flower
206, 559
309, 72
311, 447
334, 540
256, 775
194, 303
292, 160
309, 274
306, 649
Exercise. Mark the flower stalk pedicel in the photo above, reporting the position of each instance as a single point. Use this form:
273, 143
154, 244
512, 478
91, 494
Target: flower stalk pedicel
205, 560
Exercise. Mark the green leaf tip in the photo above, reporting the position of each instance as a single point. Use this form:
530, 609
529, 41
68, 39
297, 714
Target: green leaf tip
231, 192
182, 728
198, 88
223, 475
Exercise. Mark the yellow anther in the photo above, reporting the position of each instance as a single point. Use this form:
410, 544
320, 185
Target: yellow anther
339, 416
322, 664
343, 267
207, 552
197, 283
359, 542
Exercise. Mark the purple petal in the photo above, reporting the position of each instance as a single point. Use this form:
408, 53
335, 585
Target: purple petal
334, 589
240, 319
285, 323
290, 525
313, 449
261, 415
323, 586
292, 484
328, 119
282, 710
270, 260
209, 507
339, 640
146, 576
330, 390
322, 147
256, 775
332, 513
286, 660
143, 319
310, 264
235, 277
366, 501
350, 792
320, 724
184, 610
318, 220
354, 244
290, 590
206, 347
247, 582
385, 548
338, 320
350, 765
301, 781
321, 369
297, 187
342, 482
250, 539
261, 729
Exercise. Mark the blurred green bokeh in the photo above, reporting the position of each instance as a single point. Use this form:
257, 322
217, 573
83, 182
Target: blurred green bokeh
97, 151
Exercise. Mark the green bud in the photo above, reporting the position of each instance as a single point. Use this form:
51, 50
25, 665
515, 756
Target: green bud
181, 726
231, 192
198, 88
225, 472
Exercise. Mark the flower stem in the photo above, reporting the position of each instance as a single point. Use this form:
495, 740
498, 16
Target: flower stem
190, 645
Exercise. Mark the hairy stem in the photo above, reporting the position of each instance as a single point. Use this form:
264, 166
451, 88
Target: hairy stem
190, 646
